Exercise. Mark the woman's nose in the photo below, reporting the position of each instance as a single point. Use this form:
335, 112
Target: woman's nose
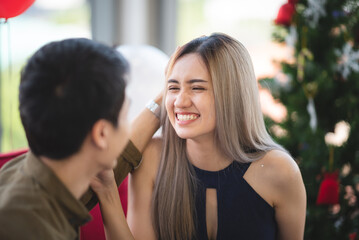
183, 100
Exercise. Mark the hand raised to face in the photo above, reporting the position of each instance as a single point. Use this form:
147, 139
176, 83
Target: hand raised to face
104, 182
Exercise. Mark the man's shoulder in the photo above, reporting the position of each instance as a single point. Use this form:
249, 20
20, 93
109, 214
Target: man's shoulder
23, 222
18, 189
21, 192
20, 208
31, 214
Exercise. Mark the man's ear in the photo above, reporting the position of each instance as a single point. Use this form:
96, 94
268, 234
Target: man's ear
100, 133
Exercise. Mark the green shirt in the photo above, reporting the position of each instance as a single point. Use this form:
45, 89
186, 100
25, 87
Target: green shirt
35, 204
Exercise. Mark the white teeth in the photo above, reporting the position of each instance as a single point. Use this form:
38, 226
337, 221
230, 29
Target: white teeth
186, 117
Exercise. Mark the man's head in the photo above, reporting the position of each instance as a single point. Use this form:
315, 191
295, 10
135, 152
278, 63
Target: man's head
68, 90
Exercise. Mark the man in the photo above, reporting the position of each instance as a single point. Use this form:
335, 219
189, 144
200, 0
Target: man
74, 111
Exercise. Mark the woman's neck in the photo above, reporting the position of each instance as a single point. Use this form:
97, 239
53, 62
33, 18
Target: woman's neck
206, 155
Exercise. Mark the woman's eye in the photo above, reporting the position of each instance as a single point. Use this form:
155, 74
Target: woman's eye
198, 88
172, 88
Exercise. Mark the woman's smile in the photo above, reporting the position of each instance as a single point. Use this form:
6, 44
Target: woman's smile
186, 118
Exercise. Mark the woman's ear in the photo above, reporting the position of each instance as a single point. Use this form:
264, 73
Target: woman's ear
100, 134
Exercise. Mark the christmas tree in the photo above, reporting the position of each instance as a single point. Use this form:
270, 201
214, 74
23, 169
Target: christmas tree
320, 91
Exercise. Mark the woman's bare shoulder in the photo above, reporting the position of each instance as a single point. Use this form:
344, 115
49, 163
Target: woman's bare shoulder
273, 176
282, 174
280, 166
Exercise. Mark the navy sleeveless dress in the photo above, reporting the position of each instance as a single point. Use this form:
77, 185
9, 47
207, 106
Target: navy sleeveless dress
242, 213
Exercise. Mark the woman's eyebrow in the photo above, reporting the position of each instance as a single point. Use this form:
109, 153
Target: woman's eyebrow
196, 81
189, 81
172, 81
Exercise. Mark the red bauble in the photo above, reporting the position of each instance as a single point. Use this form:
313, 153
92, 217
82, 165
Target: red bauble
13, 8
329, 189
353, 236
285, 14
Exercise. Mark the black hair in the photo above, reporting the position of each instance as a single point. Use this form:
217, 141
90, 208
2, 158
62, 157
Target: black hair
65, 88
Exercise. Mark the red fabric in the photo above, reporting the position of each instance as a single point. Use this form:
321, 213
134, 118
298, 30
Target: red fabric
93, 230
329, 189
4, 157
285, 14
13, 8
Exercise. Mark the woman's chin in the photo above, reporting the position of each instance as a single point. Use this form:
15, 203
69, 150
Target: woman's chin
183, 135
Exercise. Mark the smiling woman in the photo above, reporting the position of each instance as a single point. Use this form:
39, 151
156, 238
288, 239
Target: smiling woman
220, 175
215, 173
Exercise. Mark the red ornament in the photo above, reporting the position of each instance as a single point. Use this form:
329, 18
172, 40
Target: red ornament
329, 189
353, 236
13, 8
285, 14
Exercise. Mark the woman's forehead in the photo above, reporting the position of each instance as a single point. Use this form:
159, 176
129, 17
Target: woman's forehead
190, 66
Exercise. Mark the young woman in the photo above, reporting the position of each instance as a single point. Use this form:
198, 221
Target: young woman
215, 173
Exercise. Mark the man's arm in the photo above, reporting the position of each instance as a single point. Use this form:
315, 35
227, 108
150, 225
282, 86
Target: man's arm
142, 130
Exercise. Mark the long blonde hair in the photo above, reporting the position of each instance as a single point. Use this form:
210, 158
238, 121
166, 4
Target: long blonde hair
240, 132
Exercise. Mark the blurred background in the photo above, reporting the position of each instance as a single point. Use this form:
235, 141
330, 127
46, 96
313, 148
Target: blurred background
134, 26
305, 55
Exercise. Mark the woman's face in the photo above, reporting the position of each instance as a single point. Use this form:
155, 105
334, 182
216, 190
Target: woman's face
190, 99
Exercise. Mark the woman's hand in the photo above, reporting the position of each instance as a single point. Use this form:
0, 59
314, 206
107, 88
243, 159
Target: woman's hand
114, 220
104, 183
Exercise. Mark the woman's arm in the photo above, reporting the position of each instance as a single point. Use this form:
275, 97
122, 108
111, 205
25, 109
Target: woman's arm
289, 196
144, 126
114, 220
140, 189
142, 130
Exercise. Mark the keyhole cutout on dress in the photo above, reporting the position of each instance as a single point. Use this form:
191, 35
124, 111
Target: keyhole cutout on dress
211, 213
